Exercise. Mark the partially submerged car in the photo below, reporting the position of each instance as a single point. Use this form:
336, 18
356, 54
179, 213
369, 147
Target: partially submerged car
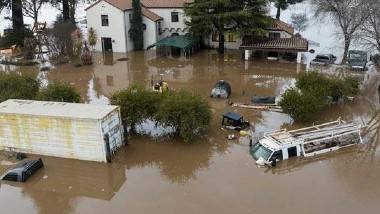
311, 141
358, 59
324, 59
22, 171
264, 100
234, 121
222, 89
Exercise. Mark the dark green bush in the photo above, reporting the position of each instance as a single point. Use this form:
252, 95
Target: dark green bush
352, 85
14, 86
313, 92
187, 113
59, 92
15, 38
136, 104
301, 106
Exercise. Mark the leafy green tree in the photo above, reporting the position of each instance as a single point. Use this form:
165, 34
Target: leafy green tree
299, 21
136, 104
14, 86
59, 92
187, 113
283, 5
136, 32
245, 17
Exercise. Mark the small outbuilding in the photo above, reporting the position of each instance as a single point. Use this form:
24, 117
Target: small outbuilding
67, 130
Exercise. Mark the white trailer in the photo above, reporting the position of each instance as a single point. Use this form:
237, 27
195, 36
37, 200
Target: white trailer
67, 130
310, 141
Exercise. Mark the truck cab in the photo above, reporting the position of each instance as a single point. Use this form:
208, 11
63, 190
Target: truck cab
358, 59
266, 152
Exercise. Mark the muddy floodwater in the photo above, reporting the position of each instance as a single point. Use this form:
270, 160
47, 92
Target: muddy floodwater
211, 175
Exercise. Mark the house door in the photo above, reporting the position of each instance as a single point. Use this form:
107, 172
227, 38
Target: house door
107, 44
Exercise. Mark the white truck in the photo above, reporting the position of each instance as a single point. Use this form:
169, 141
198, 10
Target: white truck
281, 145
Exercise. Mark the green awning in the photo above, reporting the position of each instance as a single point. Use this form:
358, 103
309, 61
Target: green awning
183, 42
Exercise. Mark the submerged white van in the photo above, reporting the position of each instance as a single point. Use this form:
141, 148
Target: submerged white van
281, 145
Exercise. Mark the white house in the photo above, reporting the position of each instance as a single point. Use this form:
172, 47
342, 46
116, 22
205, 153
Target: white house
111, 20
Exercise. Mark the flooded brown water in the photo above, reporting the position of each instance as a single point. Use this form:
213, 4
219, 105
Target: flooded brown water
212, 175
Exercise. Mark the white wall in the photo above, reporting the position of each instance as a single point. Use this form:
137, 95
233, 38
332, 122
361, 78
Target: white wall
150, 34
115, 30
167, 23
53, 136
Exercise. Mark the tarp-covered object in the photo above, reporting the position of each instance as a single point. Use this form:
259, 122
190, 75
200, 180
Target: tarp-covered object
222, 89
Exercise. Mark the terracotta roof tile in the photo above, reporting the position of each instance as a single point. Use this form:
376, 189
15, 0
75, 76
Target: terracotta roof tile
280, 25
150, 15
293, 44
127, 4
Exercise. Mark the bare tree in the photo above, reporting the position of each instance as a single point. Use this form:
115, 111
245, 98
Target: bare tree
370, 31
32, 8
299, 21
349, 15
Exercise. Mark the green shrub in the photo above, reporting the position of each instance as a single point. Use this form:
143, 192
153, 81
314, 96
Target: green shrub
15, 38
187, 113
59, 92
352, 85
136, 104
301, 106
313, 92
14, 86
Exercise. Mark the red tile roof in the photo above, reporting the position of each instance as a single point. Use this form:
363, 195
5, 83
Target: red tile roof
284, 44
280, 25
150, 15
127, 5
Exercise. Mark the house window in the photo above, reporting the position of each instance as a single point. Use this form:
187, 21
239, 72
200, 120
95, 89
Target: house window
175, 17
144, 26
105, 20
215, 37
274, 35
231, 37
130, 17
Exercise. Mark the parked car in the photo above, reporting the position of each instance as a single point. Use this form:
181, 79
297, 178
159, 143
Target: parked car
234, 121
222, 89
324, 59
358, 59
22, 171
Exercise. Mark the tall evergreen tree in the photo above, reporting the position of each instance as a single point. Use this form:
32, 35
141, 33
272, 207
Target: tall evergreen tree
17, 16
244, 17
283, 5
136, 32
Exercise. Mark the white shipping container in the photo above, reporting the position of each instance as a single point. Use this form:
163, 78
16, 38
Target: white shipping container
67, 130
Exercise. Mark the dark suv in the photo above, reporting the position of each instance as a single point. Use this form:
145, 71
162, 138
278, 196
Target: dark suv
23, 170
